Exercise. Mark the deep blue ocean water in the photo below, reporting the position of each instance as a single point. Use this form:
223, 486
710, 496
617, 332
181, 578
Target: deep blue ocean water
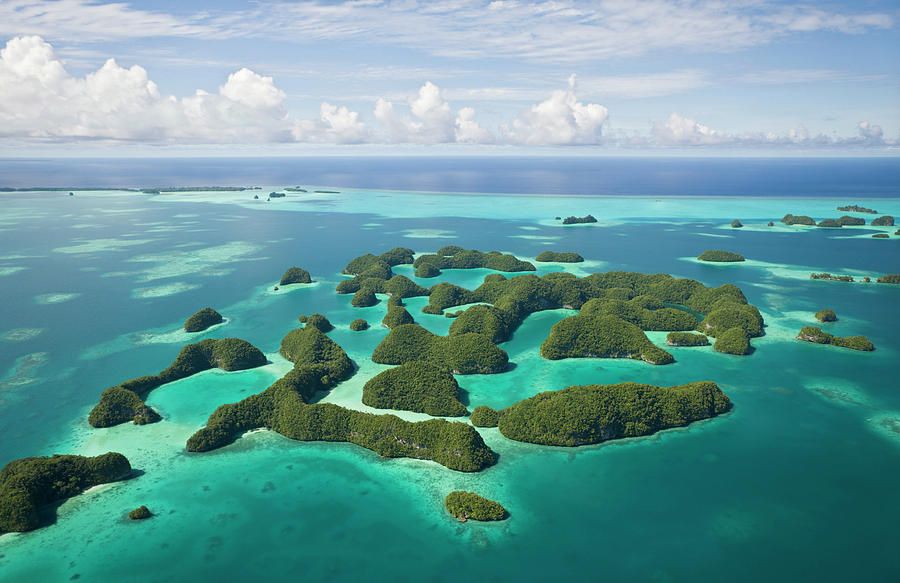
799, 482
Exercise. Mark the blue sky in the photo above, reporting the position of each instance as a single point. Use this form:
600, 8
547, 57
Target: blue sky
458, 76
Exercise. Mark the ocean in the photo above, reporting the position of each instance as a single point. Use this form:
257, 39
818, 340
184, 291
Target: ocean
798, 482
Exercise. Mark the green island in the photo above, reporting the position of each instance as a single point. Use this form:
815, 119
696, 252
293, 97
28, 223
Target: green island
579, 220
374, 272
559, 257
453, 257
686, 339
484, 416
198, 189
830, 223
469, 353
396, 316
855, 208
295, 189
885, 221
427, 270
817, 336
720, 256
358, 325
733, 341
465, 505
125, 401
295, 275
415, 386
318, 321
736, 224
202, 320
826, 315
277, 195
603, 336
140, 513
881, 236
29, 483
848, 221
889, 278
830, 277
364, 298
588, 414
790, 219
320, 364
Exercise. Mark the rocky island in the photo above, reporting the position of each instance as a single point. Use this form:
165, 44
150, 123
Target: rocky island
415, 386
817, 336
855, 208
559, 257
205, 318
579, 220
295, 275
826, 315
469, 505
720, 256
790, 219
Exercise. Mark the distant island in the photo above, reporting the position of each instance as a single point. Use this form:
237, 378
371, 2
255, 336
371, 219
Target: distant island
885, 221
27, 484
720, 256
736, 224
203, 319
295, 275
889, 278
817, 336
857, 209
830, 277
559, 257
579, 220
826, 315
790, 219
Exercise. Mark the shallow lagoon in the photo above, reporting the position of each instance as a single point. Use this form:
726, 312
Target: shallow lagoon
798, 482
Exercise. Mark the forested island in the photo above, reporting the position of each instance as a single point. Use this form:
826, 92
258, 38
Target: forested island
295, 275
579, 220
203, 319
826, 315
817, 336
686, 339
855, 208
125, 401
27, 484
559, 257
415, 386
790, 219
465, 505
720, 256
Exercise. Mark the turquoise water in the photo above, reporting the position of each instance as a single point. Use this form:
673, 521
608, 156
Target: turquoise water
798, 482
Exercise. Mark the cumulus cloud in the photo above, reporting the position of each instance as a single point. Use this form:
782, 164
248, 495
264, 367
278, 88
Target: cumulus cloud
559, 120
432, 120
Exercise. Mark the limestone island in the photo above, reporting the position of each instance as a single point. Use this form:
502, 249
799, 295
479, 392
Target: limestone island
559, 257
732, 341
140, 513
453, 257
579, 220
736, 224
483, 416
826, 315
295, 189
295, 275
720, 256
830, 223
588, 414
881, 236
415, 386
277, 195
469, 353
855, 208
849, 221
358, 325
29, 483
125, 402
202, 320
686, 339
816, 335
889, 278
831, 277
319, 365
318, 321
465, 505
885, 221
396, 316
790, 219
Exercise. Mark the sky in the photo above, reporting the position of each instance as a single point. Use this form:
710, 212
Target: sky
161, 77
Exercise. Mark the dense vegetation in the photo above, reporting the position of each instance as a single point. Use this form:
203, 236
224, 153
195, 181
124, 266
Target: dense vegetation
849, 221
816, 335
830, 277
202, 320
606, 336
319, 364
317, 321
27, 484
295, 275
469, 353
124, 402
885, 221
364, 298
396, 316
720, 256
855, 208
581, 415
889, 278
686, 339
415, 386
736, 224
830, 223
559, 257
374, 270
881, 236
826, 315
483, 416
725, 316
457, 258
790, 219
140, 513
358, 325
427, 270
733, 341
579, 220
465, 505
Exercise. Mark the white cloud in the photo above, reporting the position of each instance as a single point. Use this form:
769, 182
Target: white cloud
559, 120
685, 131
467, 129
245, 86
